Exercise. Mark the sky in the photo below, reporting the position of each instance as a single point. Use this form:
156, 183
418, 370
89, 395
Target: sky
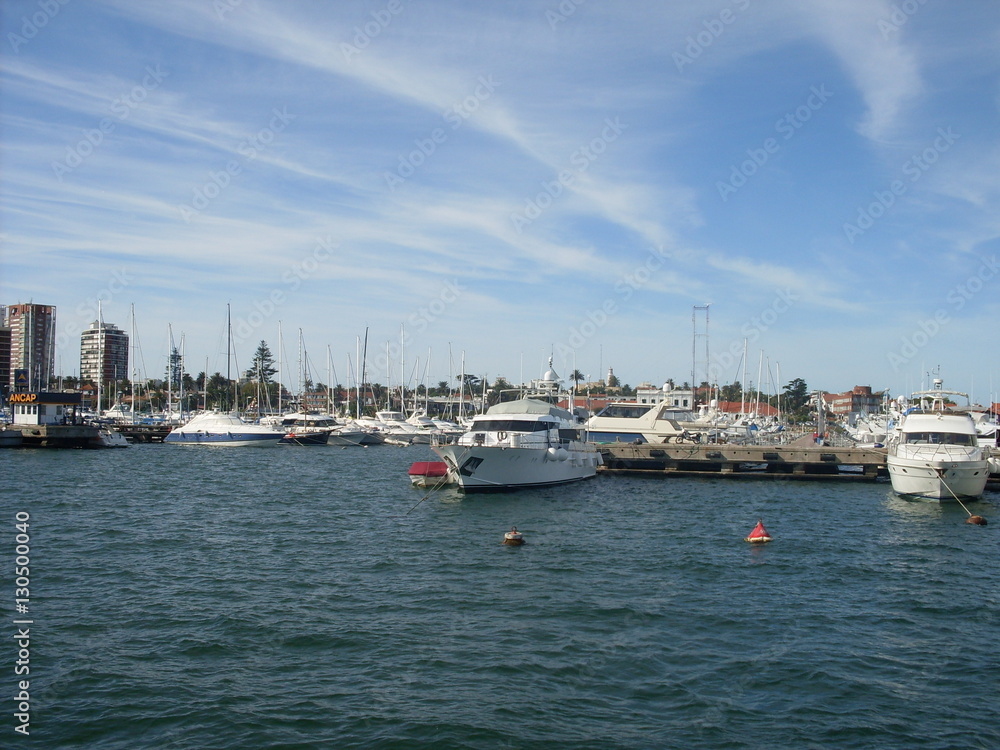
648, 186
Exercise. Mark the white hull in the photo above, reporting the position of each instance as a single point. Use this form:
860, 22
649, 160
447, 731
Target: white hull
111, 439
230, 440
937, 480
483, 468
345, 436
228, 430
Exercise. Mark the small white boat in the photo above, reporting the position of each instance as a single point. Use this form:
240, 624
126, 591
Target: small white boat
110, 438
223, 429
426, 474
934, 453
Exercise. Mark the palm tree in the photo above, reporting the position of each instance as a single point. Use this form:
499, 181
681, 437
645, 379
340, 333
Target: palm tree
576, 377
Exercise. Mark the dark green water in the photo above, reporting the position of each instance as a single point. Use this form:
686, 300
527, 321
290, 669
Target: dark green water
266, 598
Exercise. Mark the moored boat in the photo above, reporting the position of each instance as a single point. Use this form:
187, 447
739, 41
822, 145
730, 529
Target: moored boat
429, 474
222, 429
934, 453
521, 443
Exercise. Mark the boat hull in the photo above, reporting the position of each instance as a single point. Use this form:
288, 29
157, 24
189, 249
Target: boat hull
233, 439
495, 468
344, 437
320, 437
937, 480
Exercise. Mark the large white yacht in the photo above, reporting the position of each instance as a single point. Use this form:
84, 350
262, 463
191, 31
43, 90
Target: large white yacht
524, 442
934, 453
521, 443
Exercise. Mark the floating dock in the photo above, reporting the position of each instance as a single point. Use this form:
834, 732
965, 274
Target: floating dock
745, 462
49, 436
143, 433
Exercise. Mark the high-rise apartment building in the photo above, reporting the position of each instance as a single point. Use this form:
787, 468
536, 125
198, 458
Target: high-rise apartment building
103, 353
32, 344
5, 373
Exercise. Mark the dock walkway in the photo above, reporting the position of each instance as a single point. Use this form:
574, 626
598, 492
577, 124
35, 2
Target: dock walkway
764, 461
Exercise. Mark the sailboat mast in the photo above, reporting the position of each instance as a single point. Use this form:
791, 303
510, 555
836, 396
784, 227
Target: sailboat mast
364, 369
180, 375
170, 370
100, 355
229, 340
280, 358
131, 371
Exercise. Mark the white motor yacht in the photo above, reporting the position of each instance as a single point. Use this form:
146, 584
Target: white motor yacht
521, 443
219, 428
934, 452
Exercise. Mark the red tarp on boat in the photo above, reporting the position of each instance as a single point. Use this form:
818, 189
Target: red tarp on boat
428, 469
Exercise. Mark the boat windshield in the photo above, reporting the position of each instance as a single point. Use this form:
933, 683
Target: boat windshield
510, 425
628, 411
938, 438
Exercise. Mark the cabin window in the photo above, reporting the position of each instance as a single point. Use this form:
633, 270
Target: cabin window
510, 425
621, 410
938, 438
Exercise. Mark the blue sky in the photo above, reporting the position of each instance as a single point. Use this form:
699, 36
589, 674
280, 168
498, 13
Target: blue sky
513, 180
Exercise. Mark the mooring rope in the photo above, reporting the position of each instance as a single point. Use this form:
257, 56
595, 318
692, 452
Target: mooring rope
941, 477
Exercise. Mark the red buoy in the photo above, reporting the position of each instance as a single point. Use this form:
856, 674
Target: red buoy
759, 534
977, 520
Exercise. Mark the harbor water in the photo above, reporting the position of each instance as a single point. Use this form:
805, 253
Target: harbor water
307, 598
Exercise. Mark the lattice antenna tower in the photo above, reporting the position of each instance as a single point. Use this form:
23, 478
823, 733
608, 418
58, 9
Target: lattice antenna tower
699, 342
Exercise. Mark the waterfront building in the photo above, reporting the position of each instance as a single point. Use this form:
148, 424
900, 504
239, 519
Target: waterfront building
43, 408
858, 400
681, 398
5, 373
103, 353
32, 344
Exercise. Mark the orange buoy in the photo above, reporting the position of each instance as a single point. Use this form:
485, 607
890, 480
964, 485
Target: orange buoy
977, 520
513, 537
759, 534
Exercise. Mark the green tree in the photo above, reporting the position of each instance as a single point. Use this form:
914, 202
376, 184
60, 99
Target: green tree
796, 399
174, 372
262, 366
219, 391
